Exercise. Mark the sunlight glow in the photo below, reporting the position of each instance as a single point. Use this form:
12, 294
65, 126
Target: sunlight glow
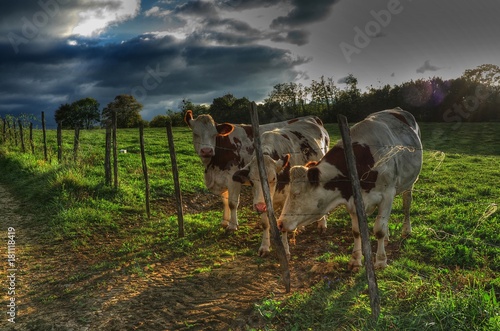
93, 21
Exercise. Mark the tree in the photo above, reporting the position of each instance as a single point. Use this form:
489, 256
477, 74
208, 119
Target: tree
486, 74
83, 113
127, 110
288, 95
63, 115
159, 121
86, 112
228, 108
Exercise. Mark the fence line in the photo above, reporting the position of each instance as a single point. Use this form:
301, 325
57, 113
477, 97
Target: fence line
491, 207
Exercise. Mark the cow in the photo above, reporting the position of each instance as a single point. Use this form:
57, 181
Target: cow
297, 143
223, 149
388, 153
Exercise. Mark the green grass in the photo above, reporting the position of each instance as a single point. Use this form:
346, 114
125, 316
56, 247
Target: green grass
444, 277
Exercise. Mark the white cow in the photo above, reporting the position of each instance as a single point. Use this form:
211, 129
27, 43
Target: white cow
297, 143
388, 155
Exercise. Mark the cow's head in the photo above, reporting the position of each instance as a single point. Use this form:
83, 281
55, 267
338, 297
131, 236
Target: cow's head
307, 199
205, 132
250, 175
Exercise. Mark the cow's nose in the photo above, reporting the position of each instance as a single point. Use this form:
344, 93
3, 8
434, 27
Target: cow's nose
260, 207
206, 152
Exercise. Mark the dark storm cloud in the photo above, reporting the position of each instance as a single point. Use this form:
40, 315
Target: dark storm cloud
245, 4
304, 12
296, 37
197, 8
149, 67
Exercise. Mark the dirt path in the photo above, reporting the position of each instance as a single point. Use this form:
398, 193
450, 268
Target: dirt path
56, 289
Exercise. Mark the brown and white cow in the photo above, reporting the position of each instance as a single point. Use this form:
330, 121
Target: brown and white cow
297, 143
223, 149
388, 155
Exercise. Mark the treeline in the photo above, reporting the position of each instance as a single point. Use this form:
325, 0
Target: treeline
473, 97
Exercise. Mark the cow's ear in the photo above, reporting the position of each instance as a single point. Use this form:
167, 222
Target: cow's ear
188, 117
283, 162
241, 176
224, 129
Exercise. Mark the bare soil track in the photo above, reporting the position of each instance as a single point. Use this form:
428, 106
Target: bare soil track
55, 290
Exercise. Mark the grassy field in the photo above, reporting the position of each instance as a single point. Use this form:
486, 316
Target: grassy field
444, 277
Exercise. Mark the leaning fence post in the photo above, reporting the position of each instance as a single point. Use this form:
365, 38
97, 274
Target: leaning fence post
32, 144
21, 135
175, 174
107, 157
275, 233
144, 168
360, 211
44, 131
115, 149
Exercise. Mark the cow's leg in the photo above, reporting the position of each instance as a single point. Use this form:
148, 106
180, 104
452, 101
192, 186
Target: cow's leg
322, 225
284, 240
226, 214
355, 262
266, 237
407, 198
265, 246
381, 229
234, 199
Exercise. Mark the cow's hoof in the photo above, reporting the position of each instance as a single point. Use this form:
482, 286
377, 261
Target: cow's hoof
224, 224
264, 252
321, 230
231, 229
380, 265
354, 266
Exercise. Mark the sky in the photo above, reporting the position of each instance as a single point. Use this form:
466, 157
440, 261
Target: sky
164, 51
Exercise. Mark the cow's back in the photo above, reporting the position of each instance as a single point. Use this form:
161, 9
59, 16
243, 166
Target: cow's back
305, 139
393, 138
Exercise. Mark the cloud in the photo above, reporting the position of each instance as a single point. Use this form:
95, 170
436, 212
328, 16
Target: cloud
154, 68
296, 37
245, 4
304, 12
427, 66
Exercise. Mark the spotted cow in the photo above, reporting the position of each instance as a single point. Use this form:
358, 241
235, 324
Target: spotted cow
388, 154
223, 149
297, 143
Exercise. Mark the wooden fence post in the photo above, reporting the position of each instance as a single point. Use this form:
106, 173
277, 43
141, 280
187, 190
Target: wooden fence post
44, 137
59, 141
275, 233
76, 143
32, 144
175, 174
362, 219
21, 136
107, 157
115, 150
144, 167
15, 131
8, 131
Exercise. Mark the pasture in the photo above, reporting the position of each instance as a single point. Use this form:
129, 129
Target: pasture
89, 257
